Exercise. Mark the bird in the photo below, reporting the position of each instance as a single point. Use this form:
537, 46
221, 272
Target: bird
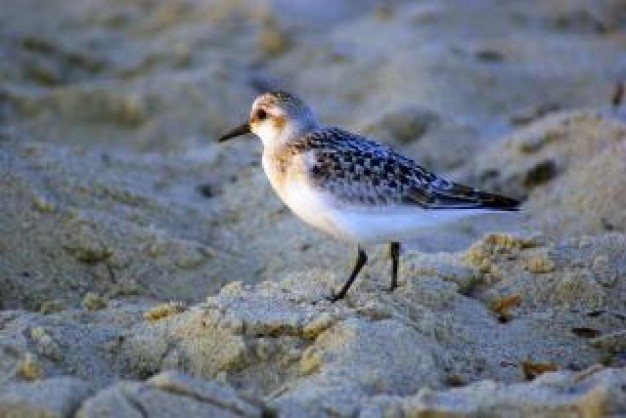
352, 187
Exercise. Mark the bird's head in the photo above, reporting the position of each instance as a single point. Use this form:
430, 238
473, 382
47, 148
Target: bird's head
276, 118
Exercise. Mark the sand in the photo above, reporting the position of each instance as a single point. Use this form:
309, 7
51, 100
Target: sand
146, 270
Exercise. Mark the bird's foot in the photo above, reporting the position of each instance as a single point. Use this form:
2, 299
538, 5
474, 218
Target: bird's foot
391, 288
334, 297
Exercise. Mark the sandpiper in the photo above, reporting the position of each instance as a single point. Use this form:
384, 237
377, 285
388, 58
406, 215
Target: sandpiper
352, 187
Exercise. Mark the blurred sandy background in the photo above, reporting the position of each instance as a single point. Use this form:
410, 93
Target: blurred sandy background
115, 197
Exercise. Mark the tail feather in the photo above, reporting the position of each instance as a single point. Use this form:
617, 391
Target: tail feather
497, 202
443, 194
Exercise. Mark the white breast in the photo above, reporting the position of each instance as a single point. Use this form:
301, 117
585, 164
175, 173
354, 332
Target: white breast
294, 190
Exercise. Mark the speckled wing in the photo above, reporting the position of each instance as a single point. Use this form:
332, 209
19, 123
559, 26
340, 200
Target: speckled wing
445, 194
361, 172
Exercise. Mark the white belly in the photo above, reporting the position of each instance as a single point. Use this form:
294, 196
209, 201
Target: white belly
393, 223
364, 225
357, 224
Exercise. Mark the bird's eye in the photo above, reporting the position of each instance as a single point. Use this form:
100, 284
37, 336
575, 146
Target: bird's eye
261, 114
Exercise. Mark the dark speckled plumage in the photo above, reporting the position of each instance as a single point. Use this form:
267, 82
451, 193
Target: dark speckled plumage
358, 171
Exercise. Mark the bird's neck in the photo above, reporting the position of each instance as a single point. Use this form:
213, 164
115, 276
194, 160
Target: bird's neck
276, 140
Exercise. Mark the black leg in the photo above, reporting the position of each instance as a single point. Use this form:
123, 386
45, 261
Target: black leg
361, 259
394, 251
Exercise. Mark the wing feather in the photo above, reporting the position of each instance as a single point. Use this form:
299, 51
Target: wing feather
359, 171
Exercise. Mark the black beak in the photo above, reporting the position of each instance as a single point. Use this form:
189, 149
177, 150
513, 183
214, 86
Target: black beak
238, 131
